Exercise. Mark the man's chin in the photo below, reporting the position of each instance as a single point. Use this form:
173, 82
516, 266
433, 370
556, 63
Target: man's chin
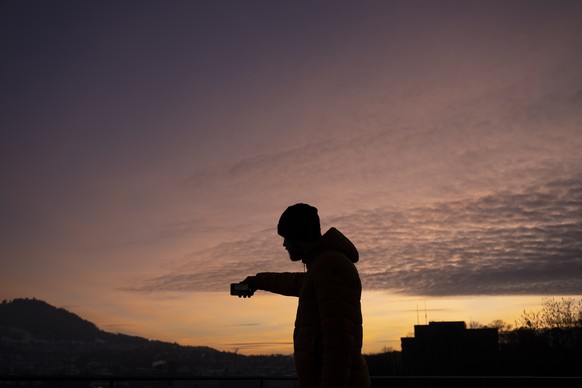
294, 258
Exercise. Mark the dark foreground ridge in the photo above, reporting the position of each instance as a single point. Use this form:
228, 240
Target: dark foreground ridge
39, 339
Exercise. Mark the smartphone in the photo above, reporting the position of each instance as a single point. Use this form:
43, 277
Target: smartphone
240, 289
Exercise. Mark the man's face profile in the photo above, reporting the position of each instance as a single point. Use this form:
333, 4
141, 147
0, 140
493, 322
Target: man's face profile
294, 247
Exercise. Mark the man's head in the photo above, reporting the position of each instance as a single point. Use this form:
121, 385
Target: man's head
299, 226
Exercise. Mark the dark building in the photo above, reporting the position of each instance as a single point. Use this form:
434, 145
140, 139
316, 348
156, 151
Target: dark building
450, 349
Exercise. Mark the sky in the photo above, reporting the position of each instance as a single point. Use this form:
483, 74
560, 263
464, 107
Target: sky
149, 147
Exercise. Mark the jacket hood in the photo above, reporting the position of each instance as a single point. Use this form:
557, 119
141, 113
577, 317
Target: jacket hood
334, 240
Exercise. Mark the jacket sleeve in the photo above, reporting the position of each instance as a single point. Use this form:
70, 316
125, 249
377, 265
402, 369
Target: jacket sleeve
338, 291
284, 283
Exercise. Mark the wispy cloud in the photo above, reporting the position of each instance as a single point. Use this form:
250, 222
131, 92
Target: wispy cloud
508, 243
246, 324
526, 242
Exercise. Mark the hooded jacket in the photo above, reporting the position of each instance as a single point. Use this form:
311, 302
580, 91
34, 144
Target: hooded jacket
328, 327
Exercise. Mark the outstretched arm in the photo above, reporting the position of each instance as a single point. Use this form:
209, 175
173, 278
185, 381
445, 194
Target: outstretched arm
284, 283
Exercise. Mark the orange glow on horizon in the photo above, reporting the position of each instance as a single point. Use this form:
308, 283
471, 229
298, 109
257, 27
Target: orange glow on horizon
263, 324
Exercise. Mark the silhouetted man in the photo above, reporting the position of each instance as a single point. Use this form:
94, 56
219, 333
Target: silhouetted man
328, 326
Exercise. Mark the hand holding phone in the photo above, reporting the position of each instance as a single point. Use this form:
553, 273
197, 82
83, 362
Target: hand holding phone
242, 290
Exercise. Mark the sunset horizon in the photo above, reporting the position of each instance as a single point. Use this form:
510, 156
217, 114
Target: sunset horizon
149, 149
264, 336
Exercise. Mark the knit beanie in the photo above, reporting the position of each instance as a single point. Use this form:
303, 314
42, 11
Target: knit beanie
299, 222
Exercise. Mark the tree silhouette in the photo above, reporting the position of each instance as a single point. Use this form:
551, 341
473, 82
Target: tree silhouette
565, 313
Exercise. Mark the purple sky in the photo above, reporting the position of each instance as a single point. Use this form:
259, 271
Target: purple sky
149, 147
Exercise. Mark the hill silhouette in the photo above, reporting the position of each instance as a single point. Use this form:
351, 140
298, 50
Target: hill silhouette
32, 319
42, 321
38, 338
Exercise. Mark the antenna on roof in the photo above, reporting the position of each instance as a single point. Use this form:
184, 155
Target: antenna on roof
425, 314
